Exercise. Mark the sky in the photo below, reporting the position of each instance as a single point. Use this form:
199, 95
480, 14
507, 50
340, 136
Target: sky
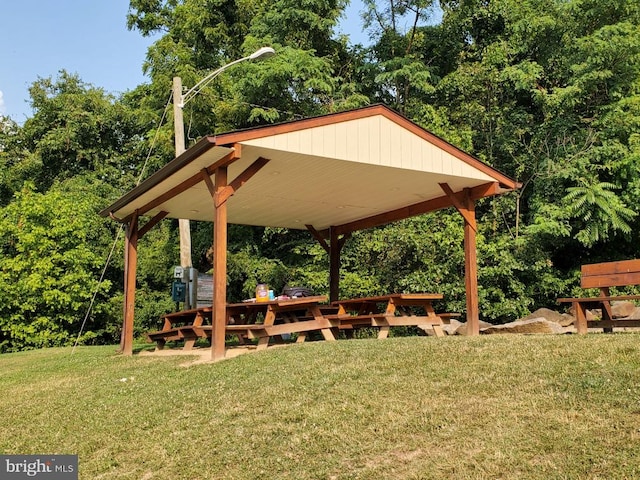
87, 37
38, 38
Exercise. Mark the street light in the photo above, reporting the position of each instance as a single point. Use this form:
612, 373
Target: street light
179, 101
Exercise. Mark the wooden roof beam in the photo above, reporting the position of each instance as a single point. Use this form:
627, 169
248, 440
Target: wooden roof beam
469, 216
190, 182
481, 191
240, 180
151, 223
318, 236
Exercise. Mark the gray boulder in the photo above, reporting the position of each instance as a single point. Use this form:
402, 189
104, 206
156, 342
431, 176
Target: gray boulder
591, 314
451, 327
635, 314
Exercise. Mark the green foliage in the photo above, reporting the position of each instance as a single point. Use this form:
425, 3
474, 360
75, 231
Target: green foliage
546, 91
76, 128
48, 268
402, 67
247, 271
600, 209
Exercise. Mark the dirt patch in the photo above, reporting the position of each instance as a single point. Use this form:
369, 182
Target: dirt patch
202, 355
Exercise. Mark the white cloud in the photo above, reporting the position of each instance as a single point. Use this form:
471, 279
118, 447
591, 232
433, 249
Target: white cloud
2, 109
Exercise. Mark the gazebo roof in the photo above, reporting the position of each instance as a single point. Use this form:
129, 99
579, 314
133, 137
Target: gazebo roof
349, 170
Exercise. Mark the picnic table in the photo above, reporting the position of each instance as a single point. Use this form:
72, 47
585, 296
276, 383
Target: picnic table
280, 317
392, 310
185, 326
250, 320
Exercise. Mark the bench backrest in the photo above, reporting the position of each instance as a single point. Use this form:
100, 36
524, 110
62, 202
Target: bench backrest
610, 274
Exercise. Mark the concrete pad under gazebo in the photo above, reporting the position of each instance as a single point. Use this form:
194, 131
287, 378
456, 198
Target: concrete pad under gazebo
331, 175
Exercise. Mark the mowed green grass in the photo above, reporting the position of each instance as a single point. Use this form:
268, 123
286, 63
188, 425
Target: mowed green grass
489, 407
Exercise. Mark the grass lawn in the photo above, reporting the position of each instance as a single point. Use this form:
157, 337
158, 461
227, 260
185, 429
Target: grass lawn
488, 407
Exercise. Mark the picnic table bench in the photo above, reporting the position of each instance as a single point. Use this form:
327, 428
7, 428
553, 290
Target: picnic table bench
184, 326
392, 310
280, 317
604, 276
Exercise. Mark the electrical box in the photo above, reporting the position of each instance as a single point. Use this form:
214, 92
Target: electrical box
178, 291
185, 287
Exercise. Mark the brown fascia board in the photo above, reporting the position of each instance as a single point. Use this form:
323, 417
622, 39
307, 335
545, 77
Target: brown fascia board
200, 147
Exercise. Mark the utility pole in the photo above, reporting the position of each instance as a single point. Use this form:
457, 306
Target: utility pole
178, 126
179, 100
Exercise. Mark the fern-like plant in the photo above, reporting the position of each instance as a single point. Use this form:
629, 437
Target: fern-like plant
599, 209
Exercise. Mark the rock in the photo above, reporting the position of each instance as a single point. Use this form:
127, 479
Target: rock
622, 309
591, 314
619, 309
567, 320
462, 329
545, 313
562, 319
531, 325
635, 314
451, 327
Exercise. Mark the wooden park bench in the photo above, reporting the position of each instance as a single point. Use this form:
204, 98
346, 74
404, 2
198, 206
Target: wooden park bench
604, 276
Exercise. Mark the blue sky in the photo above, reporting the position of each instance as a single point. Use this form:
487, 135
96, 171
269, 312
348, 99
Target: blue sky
87, 37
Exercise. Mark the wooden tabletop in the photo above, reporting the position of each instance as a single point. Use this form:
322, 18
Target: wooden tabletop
285, 302
401, 297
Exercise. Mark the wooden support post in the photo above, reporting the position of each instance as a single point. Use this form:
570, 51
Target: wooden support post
124, 303
333, 248
320, 239
219, 266
471, 266
580, 312
131, 261
467, 208
334, 265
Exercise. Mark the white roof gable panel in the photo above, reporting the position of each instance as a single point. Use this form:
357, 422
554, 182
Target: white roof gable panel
372, 140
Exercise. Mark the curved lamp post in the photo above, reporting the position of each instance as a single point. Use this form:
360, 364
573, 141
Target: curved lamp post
179, 101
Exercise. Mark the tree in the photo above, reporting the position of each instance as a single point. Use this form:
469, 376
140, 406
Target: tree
401, 54
544, 86
307, 77
49, 268
76, 128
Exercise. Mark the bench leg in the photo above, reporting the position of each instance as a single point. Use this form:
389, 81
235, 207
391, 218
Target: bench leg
580, 312
607, 315
437, 330
384, 332
160, 344
328, 334
263, 343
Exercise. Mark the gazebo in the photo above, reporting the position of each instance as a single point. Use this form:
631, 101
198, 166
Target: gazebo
331, 175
